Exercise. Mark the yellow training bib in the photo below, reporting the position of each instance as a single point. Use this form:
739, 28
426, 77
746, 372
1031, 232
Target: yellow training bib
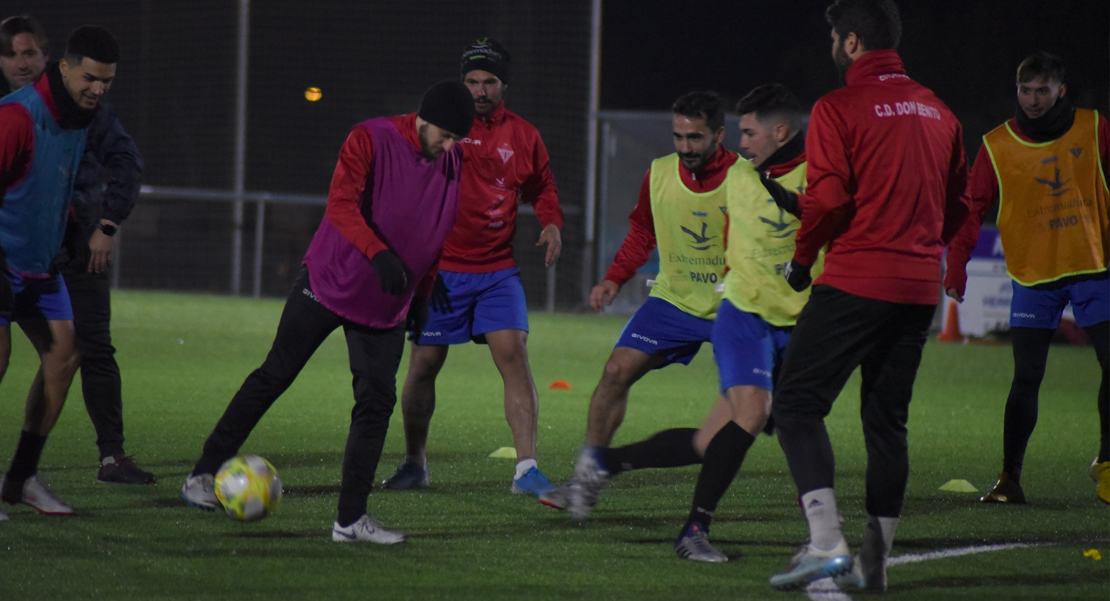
1052, 214
760, 245
689, 230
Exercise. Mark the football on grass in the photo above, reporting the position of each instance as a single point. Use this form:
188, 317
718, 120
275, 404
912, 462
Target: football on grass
249, 488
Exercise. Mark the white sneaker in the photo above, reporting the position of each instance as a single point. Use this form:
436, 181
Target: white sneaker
35, 494
867, 574
3, 516
199, 491
811, 563
366, 530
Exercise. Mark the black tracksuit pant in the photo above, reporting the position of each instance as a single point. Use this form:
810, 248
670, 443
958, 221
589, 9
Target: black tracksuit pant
836, 332
90, 294
374, 356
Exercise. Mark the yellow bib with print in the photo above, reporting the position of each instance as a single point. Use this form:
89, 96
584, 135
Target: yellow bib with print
1052, 208
761, 244
689, 231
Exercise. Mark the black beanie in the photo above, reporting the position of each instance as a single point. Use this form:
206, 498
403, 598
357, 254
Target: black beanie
94, 42
486, 54
448, 105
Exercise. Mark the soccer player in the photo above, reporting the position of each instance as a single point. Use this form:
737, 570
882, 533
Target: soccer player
885, 191
42, 136
479, 295
681, 208
111, 155
369, 270
752, 326
1047, 166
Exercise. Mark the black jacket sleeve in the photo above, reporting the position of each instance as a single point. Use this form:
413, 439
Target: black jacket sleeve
111, 165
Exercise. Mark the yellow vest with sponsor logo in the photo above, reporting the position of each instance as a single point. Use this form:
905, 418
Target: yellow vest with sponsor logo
761, 244
689, 230
1052, 209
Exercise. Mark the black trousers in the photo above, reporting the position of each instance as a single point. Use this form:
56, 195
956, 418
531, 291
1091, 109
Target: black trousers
836, 332
374, 356
90, 294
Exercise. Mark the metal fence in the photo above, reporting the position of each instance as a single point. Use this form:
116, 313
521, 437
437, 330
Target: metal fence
238, 160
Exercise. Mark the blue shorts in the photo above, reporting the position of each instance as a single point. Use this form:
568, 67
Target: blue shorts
32, 298
747, 348
1031, 308
478, 303
661, 329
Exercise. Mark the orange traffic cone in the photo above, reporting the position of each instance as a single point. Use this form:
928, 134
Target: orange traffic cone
951, 330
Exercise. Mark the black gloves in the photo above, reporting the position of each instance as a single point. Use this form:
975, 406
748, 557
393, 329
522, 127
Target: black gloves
797, 275
417, 317
785, 199
391, 272
441, 297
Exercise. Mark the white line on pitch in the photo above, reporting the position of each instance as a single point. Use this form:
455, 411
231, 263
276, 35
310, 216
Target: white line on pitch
826, 590
958, 552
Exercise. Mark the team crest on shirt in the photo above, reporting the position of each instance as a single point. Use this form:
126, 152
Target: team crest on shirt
505, 151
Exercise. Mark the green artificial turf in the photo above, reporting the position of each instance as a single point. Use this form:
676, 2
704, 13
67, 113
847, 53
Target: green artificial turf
183, 357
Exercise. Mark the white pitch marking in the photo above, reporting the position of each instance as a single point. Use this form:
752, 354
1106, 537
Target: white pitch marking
825, 589
958, 552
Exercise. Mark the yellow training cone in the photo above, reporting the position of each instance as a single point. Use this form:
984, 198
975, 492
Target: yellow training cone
958, 486
504, 453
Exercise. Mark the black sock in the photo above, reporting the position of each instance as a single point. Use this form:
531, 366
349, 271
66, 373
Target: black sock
669, 448
1030, 356
26, 460
723, 458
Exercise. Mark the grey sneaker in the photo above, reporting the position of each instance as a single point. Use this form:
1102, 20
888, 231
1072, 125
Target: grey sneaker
694, 545
589, 480
558, 498
869, 565
3, 516
366, 530
34, 493
199, 491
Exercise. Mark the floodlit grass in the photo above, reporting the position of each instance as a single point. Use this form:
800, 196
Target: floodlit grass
184, 356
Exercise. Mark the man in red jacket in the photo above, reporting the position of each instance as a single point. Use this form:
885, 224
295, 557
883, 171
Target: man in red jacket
479, 295
884, 193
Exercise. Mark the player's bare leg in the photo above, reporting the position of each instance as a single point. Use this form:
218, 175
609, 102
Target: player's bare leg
610, 399
510, 355
418, 398
54, 341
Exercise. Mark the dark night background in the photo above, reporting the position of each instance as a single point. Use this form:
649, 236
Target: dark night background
175, 92
966, 51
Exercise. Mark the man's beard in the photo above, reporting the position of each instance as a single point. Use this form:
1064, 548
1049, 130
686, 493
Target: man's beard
425, 146
840, 57
702, 158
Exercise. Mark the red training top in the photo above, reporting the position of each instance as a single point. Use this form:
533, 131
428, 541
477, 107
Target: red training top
640, 241
886, 184
505, 163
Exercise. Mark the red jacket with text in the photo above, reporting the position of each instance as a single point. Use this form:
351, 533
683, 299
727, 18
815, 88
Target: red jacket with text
885, 184
504, 163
